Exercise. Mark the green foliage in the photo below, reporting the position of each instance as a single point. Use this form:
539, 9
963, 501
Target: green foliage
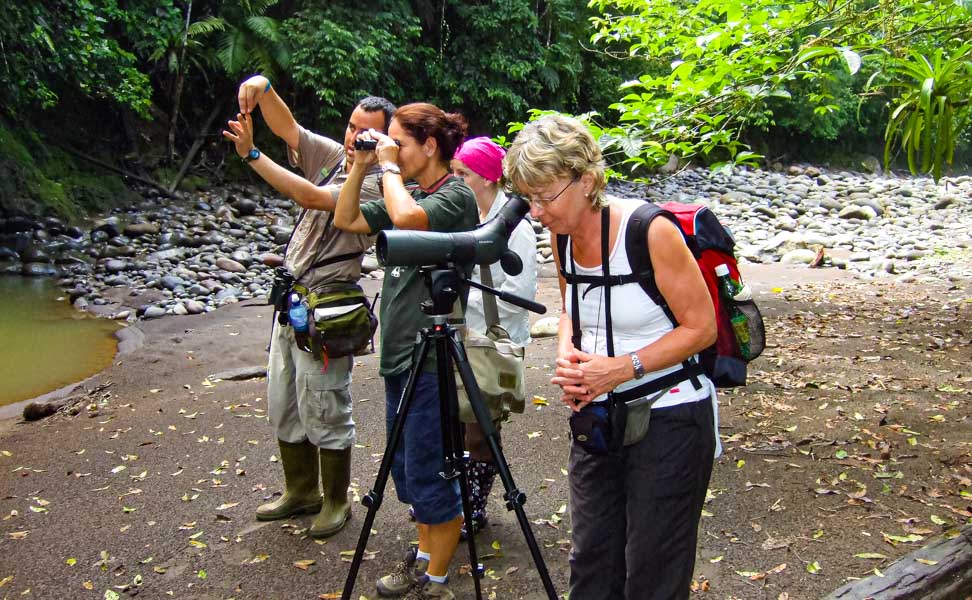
55, 48
351, 51
36, 178
248, 39
932, 109
731, 64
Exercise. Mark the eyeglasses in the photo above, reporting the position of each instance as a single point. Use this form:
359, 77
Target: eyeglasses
544, 203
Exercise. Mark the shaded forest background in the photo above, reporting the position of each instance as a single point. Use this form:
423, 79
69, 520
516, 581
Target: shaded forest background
140, 85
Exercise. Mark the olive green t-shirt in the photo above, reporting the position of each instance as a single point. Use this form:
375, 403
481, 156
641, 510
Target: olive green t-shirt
450, 207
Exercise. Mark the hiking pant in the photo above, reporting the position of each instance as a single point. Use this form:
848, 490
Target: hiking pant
635, 515
307, 401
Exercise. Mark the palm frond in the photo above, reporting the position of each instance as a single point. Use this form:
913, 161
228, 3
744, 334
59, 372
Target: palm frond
265, 27
207, 26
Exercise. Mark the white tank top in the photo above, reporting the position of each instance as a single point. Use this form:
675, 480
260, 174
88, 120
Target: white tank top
635, 318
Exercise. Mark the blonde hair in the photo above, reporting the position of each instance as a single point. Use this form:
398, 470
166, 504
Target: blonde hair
555, 146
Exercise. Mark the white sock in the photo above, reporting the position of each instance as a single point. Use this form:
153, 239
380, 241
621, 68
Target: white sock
422, 555
439, 578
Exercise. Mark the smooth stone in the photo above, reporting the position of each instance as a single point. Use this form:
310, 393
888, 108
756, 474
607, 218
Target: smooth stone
856, 211
800, 256
945, 202
180, 309
369, 264
194, 307
545, 327
228, 264
153, 312
135, 230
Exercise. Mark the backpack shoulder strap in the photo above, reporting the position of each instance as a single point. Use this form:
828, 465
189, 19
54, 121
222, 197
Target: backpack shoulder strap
639, 258
636, 245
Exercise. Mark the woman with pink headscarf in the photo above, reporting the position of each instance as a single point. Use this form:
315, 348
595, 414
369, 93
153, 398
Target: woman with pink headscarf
479, 161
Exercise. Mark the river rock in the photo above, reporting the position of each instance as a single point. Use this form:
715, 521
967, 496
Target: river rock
245, 207
117, 266
369, 263
153, 312
134, 230
194, 307
545, 327
109, 227
800, 256
856, 211
228, 264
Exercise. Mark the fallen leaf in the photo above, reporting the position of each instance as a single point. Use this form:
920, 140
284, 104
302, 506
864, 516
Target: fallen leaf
304, 565
813, 568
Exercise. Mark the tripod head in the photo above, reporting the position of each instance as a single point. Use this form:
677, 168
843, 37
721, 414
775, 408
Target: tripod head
444, 281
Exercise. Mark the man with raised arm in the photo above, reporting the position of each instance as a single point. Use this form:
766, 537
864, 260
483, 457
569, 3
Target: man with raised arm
309, 398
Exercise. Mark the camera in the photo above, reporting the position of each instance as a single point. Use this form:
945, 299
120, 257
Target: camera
360, 144
484, 245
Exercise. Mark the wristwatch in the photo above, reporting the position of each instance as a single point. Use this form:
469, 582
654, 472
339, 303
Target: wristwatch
390, 168
252, 155
639, 369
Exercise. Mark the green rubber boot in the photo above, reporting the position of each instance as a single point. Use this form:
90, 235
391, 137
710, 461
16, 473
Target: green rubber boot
301, 493
336, 475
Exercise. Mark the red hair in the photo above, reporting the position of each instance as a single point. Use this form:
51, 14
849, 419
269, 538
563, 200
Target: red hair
422, 121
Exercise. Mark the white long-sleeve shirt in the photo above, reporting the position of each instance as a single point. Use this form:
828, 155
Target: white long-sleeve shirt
515, 320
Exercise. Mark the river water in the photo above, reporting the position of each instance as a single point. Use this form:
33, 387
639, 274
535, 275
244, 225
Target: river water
44, 343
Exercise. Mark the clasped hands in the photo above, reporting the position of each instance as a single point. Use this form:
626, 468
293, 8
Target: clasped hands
582, 377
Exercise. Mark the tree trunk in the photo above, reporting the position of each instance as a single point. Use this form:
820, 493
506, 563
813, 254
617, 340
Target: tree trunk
946, 574
200, 138
180, 79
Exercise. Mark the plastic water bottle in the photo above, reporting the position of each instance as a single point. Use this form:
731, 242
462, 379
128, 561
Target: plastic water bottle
297, 314
729, 289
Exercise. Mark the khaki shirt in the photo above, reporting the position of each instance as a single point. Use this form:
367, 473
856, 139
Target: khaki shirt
314, 239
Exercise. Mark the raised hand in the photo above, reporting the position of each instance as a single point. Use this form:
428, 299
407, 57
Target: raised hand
250, 93
241, 133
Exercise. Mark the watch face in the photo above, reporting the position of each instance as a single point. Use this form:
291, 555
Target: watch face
254, 154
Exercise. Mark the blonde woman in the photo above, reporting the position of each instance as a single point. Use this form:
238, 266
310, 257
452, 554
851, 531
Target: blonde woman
634, 512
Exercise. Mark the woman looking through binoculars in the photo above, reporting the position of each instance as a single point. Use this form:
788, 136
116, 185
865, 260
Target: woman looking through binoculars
421, 141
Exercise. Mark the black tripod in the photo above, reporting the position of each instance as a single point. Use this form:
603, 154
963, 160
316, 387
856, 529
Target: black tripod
443, 284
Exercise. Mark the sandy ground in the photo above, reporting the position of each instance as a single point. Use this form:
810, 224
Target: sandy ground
852, 436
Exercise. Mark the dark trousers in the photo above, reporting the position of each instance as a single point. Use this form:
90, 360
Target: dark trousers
635, 516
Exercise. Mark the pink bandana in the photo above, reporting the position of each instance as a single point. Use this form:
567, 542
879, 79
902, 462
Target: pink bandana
483, 156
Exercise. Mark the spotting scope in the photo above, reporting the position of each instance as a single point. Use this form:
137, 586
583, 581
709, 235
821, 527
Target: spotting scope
482, 246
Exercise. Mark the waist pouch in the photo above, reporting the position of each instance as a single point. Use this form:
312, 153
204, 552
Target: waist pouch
607, 427
343, 322
599, 428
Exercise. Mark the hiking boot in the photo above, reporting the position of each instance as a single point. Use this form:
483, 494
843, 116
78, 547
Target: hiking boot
431, 590
407, 574
302, 493
335, 476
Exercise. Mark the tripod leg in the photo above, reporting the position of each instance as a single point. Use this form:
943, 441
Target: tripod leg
456, 459
514, 497
374, 497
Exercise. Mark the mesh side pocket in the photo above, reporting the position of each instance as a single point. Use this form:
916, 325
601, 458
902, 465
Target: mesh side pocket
757, 331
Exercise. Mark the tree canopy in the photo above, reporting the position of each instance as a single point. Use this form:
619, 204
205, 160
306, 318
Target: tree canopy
723, 82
